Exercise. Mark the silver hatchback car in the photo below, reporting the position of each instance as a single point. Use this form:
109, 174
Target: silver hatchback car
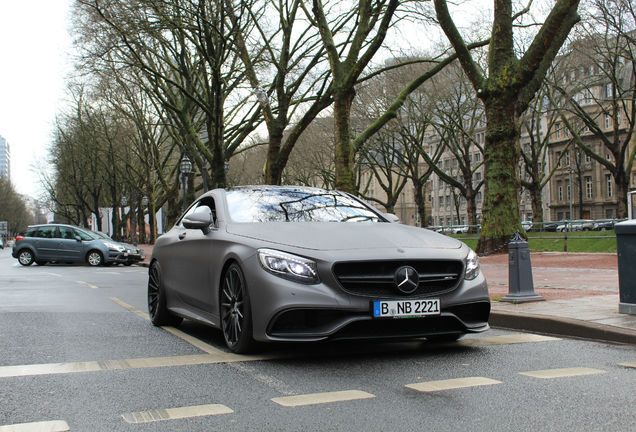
65, 243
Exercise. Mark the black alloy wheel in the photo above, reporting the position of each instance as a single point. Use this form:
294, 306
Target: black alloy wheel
25, 257
236, 312
159, 313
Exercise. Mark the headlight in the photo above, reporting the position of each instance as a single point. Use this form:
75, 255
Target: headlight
288, 266
472, 266
113, 246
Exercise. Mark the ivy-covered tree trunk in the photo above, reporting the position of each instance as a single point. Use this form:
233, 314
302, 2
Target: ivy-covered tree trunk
345, 178
500, 211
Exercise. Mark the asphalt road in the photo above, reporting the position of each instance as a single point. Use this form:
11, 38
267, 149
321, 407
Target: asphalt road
78, 353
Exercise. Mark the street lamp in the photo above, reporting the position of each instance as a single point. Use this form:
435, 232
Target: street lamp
185, 166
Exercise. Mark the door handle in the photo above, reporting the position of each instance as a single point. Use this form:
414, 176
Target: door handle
182, 236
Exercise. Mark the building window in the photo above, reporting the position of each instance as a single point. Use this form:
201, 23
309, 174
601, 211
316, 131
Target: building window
610, 185
558, 130
607, 121
441, 202
477, 157
560, 190
569, 191
588, 158
588, 187
558, 158
478, 197
567, 158
448, 200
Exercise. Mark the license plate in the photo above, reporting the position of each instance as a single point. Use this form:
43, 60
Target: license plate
405, 308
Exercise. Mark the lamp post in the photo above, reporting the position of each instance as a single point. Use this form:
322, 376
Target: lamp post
185, 166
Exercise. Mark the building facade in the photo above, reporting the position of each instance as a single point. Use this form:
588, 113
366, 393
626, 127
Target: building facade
5, 159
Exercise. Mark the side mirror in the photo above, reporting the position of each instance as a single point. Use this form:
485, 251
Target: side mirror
78, 238
391, 217
201, 219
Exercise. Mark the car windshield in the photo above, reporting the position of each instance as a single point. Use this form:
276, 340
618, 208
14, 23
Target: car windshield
296, 205
100, 235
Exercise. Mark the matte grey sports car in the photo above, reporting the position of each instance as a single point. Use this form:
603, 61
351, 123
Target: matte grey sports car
281, 263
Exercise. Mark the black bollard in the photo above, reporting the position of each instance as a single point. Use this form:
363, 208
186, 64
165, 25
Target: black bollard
520, 285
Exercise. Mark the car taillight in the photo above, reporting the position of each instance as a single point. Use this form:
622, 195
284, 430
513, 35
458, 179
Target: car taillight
18, 237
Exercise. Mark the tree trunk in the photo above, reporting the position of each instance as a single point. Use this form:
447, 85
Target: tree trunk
420, 203
345, 179
537, 204
273, 166
501, 156
622, 186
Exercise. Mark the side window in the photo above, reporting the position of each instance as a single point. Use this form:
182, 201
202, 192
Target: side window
46, 232
31, 232
67, 233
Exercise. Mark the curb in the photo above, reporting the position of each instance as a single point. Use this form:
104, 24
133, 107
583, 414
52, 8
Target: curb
562, 327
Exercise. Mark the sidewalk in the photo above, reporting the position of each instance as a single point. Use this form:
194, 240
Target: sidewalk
581, 292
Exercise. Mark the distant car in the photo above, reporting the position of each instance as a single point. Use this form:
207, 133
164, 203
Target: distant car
298, 264
548, 226
65, 243
603, 225
460, 229
526, 225
132, 255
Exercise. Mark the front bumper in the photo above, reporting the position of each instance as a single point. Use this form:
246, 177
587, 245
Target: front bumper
284, 310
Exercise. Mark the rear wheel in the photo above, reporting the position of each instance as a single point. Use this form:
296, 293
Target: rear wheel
94, 258
159, 313
236, 311
25, 257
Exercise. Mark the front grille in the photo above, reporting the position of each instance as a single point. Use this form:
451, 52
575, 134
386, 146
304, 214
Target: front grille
377, 278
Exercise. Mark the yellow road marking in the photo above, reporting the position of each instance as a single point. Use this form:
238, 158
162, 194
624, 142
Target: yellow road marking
87, 284
194, 341
506, 339
452, 384
562, 373
176, 413
322, 398
43, 426
629, 364
106, 365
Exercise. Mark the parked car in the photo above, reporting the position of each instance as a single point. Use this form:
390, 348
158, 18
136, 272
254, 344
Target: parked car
132, 255
603, 225
526, 225
267, 263
65, 243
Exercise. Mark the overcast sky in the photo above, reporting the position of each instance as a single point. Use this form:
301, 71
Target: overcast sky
34, 43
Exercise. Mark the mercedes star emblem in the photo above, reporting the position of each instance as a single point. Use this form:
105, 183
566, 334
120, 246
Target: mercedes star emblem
406, 279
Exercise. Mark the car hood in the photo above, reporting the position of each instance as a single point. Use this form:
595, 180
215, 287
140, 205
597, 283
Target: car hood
342, 235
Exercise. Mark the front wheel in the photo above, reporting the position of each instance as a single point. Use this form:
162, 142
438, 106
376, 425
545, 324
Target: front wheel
236, 311
94, 258
159, 313
25, 257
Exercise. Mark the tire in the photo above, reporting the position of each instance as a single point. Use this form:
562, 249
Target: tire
25, 257
444, 338
159, 313
236, 311
40, 262
94, 258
